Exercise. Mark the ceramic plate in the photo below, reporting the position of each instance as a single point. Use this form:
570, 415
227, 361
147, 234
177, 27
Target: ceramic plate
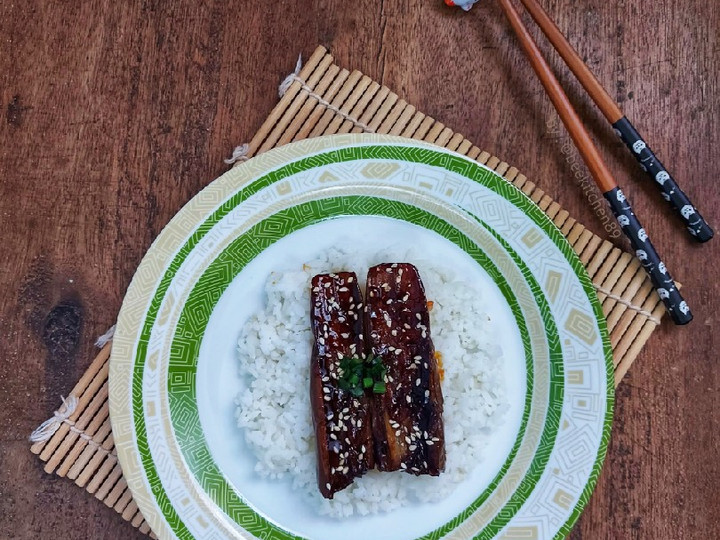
174, 372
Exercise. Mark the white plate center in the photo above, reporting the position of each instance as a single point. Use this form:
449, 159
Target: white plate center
219, 381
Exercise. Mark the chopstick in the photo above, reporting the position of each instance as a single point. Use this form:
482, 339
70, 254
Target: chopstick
644, 250
669, 188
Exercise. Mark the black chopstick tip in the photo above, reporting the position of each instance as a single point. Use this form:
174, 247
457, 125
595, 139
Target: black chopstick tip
703, 234
680, 313
681, 320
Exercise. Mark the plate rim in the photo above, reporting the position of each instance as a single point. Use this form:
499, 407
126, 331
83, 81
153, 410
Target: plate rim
343, 143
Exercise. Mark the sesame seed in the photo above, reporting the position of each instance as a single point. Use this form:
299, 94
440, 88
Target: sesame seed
418, 317
424, 333
359, 424
327, 485
346, 410
333, 437
339, 354
394, 265
325, 379
398, 279
394, 332
412, 447
429, 443
398, 351
341, 319
405, 298
389, 302
362, 448
327, 398
327, 285
427, 393
418, 357
326, 390
345, 335
360, 337
406, 325
343, 289
360, 305
332, 470
372, 294
316, 289
350, 279
346, 470
391, 348
388, 270
417, 382
400, 271
397, 433
408, 398
403, 466
407, 440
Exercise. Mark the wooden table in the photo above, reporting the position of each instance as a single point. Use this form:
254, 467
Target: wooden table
117, 113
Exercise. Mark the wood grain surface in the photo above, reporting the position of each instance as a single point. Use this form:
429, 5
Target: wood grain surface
117, 113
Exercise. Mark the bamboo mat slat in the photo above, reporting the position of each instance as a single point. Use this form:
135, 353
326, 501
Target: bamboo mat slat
325, 99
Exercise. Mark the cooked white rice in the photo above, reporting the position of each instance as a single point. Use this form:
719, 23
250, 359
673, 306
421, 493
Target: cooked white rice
274, 351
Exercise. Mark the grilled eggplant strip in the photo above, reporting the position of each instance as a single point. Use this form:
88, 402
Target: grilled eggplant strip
342, 421
407, 422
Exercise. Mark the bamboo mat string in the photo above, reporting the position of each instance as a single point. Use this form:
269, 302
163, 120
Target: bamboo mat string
239, 154
294, 77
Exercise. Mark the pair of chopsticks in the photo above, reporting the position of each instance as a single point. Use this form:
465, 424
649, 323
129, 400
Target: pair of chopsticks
644, 250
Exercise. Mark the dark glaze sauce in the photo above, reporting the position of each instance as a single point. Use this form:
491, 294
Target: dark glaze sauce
407, 419
342, 422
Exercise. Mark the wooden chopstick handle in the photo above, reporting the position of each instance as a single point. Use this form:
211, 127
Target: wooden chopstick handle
587, 78
649, 258
580, 136
670, 191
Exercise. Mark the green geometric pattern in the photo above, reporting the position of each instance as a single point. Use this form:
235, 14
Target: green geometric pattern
209, 288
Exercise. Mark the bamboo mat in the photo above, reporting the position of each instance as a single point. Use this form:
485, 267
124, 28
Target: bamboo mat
321, 99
